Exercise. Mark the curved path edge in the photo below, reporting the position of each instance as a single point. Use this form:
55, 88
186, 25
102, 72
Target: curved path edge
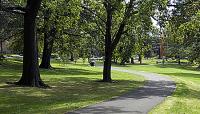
139, 101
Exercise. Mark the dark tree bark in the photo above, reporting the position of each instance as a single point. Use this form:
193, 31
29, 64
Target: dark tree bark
47, 50
132, 60
179, 60
1, 43
46, 54
71, 56
140, 58
49, 36
108, 45
1, 52
31, 74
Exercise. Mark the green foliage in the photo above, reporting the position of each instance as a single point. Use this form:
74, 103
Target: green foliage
126, 49
191, 35
181, 30
136, 38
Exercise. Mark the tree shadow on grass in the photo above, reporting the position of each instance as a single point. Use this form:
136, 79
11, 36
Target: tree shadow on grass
65, 91
82, 65
183, 91
152, 88
129, 65
12, 65
75, 90
8, 78
16, 69
69, 71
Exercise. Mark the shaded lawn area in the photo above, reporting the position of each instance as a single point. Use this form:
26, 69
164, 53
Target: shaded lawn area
186, 98
73, 86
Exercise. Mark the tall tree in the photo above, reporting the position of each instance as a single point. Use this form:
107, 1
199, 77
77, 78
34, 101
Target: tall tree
126, 12
183, 30
58, 21
49, 36
31, 74
111, 41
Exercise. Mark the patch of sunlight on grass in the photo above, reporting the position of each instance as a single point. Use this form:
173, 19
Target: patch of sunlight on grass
73, 86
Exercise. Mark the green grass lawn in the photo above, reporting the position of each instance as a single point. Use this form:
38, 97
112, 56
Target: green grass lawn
186, 99
73, 86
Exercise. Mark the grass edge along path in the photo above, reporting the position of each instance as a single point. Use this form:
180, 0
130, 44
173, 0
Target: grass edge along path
186, 98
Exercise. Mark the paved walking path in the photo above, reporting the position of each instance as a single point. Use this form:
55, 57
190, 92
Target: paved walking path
139, 101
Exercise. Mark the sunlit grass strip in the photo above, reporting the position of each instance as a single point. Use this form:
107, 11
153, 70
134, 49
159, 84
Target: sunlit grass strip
186, 98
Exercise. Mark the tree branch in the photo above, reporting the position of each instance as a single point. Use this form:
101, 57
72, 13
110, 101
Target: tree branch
91, 11
99, 27
118, 36
154, 18
9, 37
15, 9
120, 31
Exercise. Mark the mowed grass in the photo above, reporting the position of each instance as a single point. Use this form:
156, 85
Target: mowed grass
73, 86
186, 98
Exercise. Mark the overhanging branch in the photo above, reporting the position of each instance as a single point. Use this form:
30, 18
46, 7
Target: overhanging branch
128, 13
15, 9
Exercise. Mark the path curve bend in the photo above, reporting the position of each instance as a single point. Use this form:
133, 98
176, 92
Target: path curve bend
139, 101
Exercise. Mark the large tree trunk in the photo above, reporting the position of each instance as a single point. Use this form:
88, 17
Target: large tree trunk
108, 46
107, 67
47, 50
31, 74
48, 42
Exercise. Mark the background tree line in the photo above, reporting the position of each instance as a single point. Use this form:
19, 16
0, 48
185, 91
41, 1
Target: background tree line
118, 30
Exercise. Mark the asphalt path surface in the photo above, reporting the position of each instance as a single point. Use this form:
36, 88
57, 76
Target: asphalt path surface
138, 101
